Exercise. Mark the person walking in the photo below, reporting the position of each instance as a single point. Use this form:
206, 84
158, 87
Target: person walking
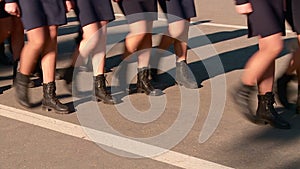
293, 18
11, 26
41, 19
140, 15
179, 14
94, 16
265, 20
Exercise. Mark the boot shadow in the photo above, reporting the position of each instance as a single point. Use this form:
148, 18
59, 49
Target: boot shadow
4, 88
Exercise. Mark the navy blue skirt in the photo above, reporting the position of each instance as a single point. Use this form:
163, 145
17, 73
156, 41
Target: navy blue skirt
178, 9
137, 10
38, 13
90, 11
293, 14
267, 18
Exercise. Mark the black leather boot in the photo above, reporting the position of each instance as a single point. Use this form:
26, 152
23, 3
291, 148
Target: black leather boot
100, 92
31, 83
21, 85
144, 85
282, 83
267, 114
242, 97
184, 76
50, 101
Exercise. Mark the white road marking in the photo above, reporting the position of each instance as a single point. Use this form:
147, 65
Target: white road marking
169, 157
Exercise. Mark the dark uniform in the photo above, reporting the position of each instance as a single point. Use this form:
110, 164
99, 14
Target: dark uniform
90, 11
178, 9
137, 10
38, 13
293, 14
267, 17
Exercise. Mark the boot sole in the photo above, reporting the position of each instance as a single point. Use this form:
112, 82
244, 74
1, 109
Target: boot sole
142, 91
24, 104
261, 122
149, 94
97, 99
265, 122
188, 87
48, 109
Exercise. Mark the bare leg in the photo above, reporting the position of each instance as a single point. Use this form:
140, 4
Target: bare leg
138, 39
32, 50
258, 65
165, 42
94, 44
177, 34
179, 31
266, 84
145, 48
180, 50
260, 70
100, 51
49, 56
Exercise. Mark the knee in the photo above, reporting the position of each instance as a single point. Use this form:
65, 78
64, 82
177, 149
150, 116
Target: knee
277, 48
180, 35
273, 48
38, 43
90, 44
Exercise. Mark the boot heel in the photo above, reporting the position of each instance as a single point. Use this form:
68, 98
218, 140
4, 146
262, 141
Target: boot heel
45, 108
139, 90
144, 85
50, 102
261, 122
178, 83
96, 99
100, 90
184, 76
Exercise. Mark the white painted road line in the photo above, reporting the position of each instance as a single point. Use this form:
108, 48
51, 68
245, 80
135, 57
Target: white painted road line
169, 157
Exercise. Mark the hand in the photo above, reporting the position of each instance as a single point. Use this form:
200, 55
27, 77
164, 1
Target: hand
244, 8
69, 5
12, 8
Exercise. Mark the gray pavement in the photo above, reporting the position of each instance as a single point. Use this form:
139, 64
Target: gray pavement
32, 138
